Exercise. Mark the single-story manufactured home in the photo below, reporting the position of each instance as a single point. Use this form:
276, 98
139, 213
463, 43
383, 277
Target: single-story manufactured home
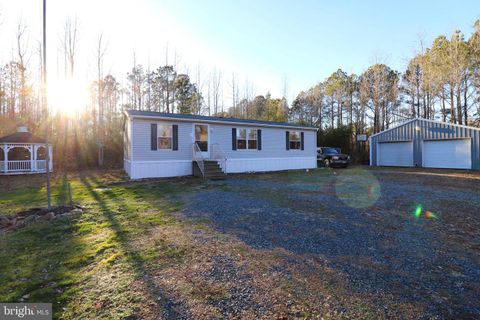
428, 144
169, 145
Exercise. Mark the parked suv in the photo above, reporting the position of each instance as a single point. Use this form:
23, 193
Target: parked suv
332, 157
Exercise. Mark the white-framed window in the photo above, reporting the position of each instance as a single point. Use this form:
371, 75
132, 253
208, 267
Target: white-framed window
295, 140
246, 139
201, 136
164, 136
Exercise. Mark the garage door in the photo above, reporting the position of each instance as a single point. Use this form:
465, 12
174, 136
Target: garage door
396, 154
455, 154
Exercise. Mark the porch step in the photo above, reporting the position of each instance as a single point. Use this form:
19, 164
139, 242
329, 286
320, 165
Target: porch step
212, 170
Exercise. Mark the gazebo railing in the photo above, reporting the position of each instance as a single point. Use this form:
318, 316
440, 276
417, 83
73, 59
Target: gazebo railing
19, 165
28, 164
41, 165
23, 166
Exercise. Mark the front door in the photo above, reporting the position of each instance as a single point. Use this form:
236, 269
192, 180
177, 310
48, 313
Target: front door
201, 139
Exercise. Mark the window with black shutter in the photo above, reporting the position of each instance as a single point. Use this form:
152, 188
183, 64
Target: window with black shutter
259, 139
294, 140
234, 138
175, 137
153, 136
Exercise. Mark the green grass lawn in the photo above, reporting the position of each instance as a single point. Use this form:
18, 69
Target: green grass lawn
88, 264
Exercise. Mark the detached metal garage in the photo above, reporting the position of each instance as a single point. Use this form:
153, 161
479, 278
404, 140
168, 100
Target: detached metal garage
428, 144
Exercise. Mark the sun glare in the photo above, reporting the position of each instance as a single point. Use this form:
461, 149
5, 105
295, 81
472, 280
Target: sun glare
67, 96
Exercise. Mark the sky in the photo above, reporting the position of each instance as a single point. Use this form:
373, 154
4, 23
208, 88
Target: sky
269, 44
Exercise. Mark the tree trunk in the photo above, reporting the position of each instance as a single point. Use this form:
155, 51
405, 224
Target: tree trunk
444, 110
459, 106
452, 105
339, 113
465, 104
332, 114
351, 109
424, 105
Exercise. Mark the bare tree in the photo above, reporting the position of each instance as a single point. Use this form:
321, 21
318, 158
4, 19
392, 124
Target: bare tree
209, 96
216, 89
199, 84
21, 53
234, 86
70, 45
100, 52
285, 87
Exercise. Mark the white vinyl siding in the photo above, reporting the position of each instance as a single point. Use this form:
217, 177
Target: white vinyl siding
147, 163
141, 136
454, 154
395, 154
273, 142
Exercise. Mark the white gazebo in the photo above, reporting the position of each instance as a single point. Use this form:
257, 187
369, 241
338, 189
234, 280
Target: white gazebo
23, 153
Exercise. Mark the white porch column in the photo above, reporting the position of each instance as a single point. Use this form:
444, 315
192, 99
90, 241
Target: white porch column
5, 151
32, 155
35, 147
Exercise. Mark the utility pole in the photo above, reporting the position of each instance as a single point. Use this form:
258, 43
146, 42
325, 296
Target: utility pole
45, 106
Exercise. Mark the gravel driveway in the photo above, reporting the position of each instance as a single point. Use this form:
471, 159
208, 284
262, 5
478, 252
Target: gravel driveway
358, 224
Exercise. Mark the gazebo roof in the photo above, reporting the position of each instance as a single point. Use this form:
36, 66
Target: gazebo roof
21, 136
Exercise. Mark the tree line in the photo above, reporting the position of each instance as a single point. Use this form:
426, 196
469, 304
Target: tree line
441, 82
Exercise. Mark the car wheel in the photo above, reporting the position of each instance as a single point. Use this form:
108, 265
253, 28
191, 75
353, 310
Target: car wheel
326, 162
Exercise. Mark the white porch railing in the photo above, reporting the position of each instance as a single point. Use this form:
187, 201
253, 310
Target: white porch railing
41, 165
33, 165
19, 165
220, 156
198, 158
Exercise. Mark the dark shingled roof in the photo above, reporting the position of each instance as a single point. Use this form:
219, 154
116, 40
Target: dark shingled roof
138, 113
21, 137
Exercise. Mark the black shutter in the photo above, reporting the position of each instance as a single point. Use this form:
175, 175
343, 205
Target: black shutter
288, 140
175, 137
301, 140
153, 136
234, 138
259, 139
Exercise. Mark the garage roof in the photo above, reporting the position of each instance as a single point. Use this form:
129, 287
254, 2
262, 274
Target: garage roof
426, 120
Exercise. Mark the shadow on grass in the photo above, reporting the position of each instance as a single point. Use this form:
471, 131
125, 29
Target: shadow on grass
166, 305
63, 195
41, 263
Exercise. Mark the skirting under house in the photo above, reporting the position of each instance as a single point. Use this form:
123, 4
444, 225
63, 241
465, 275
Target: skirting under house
172, 145
428, 144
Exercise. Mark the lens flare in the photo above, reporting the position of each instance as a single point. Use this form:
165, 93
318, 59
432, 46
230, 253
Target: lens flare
357, 188
430, 215
418, 211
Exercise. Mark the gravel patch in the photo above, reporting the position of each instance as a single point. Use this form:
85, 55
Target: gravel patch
240, 296
381, 248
